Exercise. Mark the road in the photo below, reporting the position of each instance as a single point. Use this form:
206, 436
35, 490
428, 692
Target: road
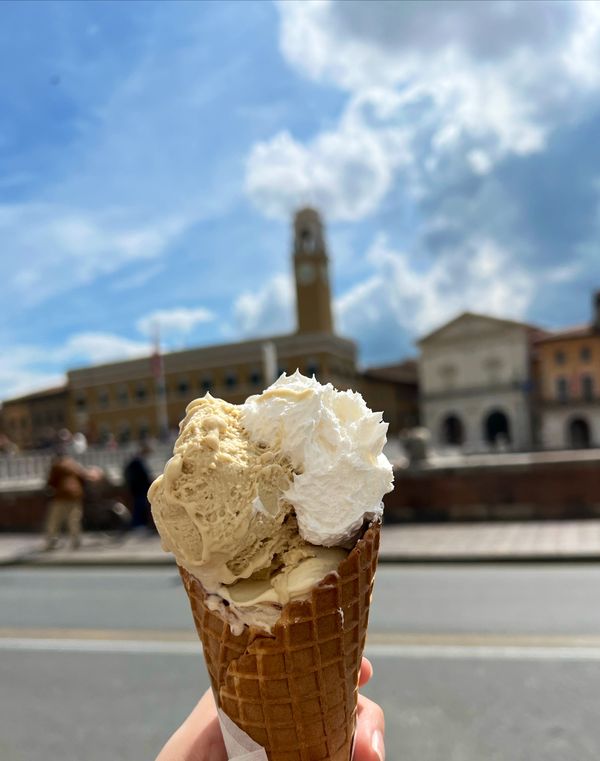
472, 663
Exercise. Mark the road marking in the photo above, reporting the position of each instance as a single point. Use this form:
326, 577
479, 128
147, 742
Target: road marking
423, 646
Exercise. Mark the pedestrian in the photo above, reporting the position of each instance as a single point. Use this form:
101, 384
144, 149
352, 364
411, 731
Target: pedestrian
66, 479
138, 479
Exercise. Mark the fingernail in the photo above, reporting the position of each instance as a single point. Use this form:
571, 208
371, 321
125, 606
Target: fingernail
377, 745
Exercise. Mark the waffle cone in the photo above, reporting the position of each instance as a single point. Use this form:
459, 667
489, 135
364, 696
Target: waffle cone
294, 692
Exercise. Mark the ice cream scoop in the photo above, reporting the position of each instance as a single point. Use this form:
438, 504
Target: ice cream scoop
259, 500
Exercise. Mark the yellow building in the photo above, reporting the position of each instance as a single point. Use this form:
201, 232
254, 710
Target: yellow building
568, 385
34, 420
123, 399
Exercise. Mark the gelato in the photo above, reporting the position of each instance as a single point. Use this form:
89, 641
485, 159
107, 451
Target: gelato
262, 500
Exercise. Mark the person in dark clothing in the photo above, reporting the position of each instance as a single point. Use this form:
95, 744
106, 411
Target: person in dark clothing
138, 480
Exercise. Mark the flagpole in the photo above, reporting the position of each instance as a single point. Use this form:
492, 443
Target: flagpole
269, 357
158, 367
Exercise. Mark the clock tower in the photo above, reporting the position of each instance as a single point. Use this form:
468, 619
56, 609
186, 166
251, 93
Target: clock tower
311, 269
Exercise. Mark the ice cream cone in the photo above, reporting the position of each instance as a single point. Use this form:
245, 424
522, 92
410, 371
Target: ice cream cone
294, 692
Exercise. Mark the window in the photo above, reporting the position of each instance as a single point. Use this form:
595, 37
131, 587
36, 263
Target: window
183, 387
103, 398
231, 380
585, 354
124, 433
587, 388
255, 377
123, 395
560, 357
80, 402
141, 392
206, 383
312, 368
562, 391
309, 242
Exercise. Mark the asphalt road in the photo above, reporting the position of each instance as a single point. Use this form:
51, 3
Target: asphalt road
472, 663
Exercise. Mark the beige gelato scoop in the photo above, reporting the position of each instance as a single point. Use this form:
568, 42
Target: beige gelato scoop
218, 505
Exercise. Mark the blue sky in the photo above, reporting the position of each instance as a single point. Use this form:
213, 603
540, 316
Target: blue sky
151, 155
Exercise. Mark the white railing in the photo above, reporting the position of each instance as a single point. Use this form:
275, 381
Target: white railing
31, 470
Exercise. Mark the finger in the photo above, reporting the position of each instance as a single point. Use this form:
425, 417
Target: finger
199, 738
370, 726
366, 672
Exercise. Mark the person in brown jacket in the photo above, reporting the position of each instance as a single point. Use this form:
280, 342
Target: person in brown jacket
66, 480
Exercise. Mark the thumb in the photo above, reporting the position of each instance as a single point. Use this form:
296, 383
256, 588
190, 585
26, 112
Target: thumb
370, 725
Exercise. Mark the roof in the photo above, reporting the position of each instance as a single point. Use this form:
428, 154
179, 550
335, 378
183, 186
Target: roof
479, 316
42, 394
575, 331
401, 372
187, 360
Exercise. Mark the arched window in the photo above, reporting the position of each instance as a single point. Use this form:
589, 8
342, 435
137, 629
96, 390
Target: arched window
453, 432
578, 433
496, 428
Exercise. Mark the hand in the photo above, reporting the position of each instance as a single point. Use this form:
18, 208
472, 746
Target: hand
199, 737
95, 473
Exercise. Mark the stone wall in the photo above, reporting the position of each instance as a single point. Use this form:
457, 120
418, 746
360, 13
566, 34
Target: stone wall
538, 491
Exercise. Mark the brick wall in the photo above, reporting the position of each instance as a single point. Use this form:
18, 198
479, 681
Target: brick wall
564, 490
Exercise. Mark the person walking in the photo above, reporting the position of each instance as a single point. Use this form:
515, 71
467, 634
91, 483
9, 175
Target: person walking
66, 479
138, 479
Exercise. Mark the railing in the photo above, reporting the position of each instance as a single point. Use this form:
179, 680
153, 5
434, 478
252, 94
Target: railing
31, 470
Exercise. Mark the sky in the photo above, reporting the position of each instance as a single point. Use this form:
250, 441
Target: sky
152, 156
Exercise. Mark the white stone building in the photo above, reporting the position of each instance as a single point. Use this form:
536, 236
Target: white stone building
475, 383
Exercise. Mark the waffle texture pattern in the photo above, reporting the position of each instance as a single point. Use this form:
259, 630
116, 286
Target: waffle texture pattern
295, 692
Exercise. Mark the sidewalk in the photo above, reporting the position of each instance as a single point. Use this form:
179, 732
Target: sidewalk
432, 543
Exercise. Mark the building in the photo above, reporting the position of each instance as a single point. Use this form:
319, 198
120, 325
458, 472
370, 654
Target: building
122, 399
475, 378
33, 420
125, 400
393, 388
569, 385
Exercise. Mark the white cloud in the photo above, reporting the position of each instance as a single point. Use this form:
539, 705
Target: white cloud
345, 172
429, 84
268, 311
27, 368
20, 372
54, 247
97, 347
179, 320
399, 302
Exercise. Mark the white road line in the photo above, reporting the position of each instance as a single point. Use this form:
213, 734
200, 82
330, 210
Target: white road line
446, 652
115, 646
485, 652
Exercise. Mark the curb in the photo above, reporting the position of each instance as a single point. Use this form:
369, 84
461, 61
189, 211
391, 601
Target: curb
39, 560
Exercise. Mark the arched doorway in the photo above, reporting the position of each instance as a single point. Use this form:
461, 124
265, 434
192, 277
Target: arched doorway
578, 433
453, 431
496, 428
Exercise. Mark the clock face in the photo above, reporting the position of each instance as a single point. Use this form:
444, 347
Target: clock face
306, 273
